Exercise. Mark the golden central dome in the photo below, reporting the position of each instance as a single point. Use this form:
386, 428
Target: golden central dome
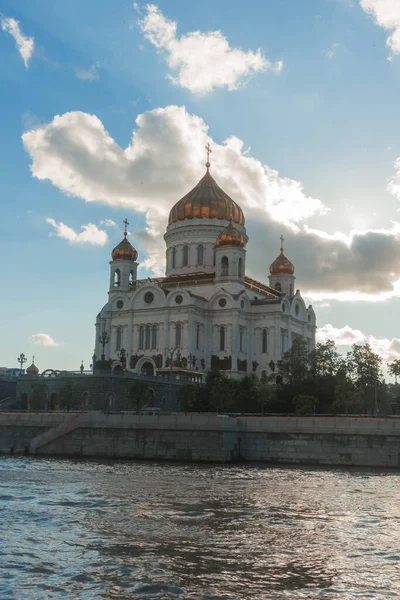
124, 251
230, 236
206, 201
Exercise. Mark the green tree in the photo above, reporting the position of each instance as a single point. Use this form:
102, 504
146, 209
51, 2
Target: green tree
294, 365
219, 390
364, 368
324, 359
140, 395
305, 405
348, 398
68, 397
189, 397
39, 397
394, 369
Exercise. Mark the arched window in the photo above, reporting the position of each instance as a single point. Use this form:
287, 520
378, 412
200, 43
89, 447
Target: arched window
119, 339
173, 257
200, 254
241, 335
178, 335
131, 279
185, 260
264, 345
198, 336
154, 337
117, 278
141, 337
225, 265
278, 286
85, 399
222, 338
148, 335
240, 268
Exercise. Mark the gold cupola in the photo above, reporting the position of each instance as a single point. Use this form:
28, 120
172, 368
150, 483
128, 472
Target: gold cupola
32, 370
125, 250
206, 201
229, 237
282, 265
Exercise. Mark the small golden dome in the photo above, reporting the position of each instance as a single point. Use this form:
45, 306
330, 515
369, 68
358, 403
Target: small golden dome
281, 265
124, 251
230, 236
32, 370
206, 201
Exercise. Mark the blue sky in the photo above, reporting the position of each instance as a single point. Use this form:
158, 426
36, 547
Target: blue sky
317, 118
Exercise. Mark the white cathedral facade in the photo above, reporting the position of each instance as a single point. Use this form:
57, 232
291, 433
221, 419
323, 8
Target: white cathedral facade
206, 313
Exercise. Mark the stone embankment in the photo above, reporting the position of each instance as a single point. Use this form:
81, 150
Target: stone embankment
352, 441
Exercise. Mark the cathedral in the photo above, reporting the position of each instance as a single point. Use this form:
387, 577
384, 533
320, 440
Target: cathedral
206, 313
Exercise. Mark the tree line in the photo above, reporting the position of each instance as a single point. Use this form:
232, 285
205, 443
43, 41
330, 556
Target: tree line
322, 381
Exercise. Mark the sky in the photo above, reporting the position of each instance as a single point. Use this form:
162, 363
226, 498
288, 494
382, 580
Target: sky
105, 111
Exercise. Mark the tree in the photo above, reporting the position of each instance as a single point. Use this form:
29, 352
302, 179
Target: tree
305, 405
294, 365
324, 359
68, 397
348, 398
394, 369
140, 395
189, 397
219, 390
39, 397
364, 367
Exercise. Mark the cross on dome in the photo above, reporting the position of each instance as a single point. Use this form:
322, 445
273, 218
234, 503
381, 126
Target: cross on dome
208, 150
282, 240
126, 223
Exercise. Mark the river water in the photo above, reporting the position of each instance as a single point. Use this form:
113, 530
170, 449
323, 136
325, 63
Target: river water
94, 530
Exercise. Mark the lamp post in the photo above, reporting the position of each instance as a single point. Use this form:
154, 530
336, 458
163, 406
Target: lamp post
81, 368
104, 339
21, 359
170, 354
122, 357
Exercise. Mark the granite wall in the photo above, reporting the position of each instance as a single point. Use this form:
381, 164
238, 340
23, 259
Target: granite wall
350, 441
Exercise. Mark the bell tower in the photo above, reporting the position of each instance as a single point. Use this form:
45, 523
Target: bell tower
281, 276
123, 271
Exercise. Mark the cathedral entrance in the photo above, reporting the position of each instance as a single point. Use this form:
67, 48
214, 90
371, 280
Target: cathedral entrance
147, 369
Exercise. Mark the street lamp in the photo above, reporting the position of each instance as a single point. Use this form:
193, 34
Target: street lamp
170, 353
122, 357
21, 359
104, 339
81, 368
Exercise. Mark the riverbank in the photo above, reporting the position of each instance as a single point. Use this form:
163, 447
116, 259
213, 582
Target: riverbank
351, 441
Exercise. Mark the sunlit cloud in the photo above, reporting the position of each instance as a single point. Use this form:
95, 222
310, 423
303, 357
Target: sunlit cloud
201, 61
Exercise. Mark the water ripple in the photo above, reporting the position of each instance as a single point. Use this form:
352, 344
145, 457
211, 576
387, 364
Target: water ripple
104, 530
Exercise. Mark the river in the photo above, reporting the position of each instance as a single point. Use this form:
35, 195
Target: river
118, 530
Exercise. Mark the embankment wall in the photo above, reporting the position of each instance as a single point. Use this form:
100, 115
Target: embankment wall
352, 441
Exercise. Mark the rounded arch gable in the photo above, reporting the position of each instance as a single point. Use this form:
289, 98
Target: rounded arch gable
148, 296
178, 297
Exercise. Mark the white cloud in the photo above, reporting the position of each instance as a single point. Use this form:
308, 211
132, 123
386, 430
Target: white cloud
331, 51
346, 336
387, 16
44, 339
25, 45
201, 61
166, 159
90, 233
89, 74
108, 223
